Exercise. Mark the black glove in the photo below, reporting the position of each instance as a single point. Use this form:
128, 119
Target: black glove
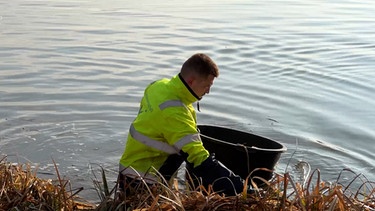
212, 171
171, 165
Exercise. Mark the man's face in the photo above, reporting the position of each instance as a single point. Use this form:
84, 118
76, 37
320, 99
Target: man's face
202, 85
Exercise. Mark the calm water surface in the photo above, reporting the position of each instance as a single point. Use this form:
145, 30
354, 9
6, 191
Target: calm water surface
301, 72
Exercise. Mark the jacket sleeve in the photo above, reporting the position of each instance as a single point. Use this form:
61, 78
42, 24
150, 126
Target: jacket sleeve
199, 163
181, 125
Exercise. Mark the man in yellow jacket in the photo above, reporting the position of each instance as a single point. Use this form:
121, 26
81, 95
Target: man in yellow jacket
164, 134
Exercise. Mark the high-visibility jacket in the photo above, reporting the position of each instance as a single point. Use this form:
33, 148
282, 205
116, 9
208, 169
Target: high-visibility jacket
165, 124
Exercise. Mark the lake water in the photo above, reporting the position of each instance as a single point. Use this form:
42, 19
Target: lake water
72, 74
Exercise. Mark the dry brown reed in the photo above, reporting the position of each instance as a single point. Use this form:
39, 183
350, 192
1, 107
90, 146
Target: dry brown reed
281, 193
21, 189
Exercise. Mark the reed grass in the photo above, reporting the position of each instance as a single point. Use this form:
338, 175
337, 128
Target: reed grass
21, 189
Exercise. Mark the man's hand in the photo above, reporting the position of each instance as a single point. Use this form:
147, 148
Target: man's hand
213, 172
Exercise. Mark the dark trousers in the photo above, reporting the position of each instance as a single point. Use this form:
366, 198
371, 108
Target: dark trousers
130, 185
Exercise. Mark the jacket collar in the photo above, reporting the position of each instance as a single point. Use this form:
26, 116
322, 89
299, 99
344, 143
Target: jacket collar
184, 92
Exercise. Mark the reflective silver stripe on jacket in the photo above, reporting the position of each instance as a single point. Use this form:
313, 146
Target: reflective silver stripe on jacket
187, 139
171, 103
162, 146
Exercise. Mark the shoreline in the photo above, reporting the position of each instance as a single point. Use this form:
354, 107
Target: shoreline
22, 189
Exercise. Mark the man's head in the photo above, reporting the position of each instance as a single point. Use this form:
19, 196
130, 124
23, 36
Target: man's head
199, 72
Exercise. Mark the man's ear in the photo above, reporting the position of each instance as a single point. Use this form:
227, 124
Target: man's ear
190, 80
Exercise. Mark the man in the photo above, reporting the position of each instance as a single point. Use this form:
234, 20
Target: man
164, 134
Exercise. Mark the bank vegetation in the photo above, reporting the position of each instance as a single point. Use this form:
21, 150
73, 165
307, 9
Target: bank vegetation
22, 189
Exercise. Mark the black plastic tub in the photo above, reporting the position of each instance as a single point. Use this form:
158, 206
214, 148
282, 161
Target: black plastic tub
242, 152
